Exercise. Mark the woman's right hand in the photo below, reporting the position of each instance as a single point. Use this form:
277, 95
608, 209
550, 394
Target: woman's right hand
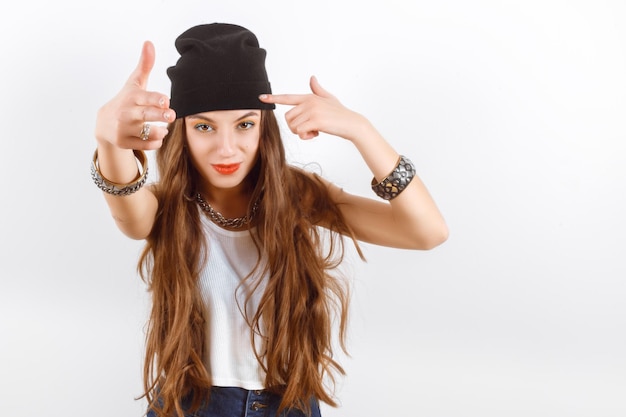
119, 122
119, 126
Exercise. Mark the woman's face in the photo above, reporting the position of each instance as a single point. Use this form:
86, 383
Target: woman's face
223, 145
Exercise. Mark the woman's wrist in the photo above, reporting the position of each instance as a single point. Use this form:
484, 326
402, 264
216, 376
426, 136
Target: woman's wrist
115, 187
361, 131
116, 164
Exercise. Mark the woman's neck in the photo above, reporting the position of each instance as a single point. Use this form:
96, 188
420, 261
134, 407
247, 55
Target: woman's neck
230, 202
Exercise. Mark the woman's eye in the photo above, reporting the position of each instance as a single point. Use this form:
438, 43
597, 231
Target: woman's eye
246, 125
203, 127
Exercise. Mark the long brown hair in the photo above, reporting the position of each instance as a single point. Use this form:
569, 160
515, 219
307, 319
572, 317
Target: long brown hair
294, 318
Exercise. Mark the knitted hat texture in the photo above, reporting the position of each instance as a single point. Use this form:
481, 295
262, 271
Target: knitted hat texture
221, 67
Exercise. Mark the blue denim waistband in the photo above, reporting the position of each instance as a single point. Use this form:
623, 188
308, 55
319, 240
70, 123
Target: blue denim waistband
239, 402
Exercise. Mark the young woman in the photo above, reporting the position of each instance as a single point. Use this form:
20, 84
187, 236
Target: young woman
236, 257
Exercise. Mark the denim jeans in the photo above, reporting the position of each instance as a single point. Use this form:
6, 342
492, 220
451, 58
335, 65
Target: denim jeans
239, 402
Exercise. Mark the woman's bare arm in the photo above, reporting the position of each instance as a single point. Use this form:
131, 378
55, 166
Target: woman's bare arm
118, 129
412, 219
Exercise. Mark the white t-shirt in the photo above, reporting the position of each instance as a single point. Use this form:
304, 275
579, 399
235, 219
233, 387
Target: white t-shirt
229, 356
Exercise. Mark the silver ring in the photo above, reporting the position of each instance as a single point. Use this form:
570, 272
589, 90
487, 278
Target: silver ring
145, 131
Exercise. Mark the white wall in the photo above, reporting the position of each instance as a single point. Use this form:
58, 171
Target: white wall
513, 112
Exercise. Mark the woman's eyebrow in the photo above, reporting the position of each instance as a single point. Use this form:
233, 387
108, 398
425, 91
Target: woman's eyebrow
245, 116
208, 119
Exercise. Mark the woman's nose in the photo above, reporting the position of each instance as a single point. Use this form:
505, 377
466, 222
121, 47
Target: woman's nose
226, 144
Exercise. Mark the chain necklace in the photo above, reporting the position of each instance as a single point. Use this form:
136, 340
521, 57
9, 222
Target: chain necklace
220, 220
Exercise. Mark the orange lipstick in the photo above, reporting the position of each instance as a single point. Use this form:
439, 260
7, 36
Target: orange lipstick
226, 169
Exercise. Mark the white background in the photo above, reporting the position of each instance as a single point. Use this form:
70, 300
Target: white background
513, 112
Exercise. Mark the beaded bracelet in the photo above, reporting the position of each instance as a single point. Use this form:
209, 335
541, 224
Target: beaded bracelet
114, 188
396, 181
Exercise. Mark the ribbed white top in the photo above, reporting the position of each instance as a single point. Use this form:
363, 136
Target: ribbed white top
229, 356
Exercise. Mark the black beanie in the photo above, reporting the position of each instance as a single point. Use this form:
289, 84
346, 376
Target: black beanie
221, 67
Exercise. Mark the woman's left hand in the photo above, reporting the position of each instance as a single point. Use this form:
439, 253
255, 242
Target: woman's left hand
318, 112
411, 221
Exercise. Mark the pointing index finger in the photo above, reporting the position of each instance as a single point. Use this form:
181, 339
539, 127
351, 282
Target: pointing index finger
140, 75
289, 99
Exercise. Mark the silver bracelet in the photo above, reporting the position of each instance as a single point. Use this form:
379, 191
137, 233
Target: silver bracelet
397, 181
114, 188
